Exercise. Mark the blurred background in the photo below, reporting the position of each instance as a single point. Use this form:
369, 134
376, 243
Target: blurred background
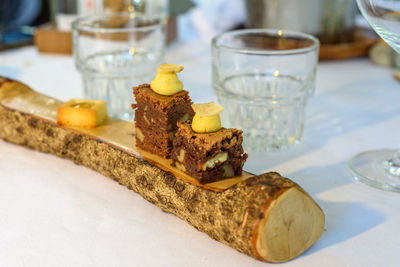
337, 23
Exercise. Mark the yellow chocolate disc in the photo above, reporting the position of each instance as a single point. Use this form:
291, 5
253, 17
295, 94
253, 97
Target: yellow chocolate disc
207, 109
169, 68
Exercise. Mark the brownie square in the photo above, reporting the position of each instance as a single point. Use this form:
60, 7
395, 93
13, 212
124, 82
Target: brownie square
208, 157
156, 117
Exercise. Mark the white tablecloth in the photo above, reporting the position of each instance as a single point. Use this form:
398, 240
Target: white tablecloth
56, 213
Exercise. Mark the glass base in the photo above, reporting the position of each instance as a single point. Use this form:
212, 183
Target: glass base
376, 169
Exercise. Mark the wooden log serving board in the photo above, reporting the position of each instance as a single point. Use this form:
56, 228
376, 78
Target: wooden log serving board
265, 216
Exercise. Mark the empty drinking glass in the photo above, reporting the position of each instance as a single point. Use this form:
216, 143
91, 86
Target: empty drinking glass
263, 78
116, 51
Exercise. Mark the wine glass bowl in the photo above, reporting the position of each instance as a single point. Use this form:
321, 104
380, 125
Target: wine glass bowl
384, 18
380, 168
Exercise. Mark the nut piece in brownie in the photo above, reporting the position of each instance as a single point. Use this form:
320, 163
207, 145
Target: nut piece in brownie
156, 115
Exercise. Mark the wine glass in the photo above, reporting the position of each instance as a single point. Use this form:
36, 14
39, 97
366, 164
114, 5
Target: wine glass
380, 168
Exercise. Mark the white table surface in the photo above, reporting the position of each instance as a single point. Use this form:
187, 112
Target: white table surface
56, 213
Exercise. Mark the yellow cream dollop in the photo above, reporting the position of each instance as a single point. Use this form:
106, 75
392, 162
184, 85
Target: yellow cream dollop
206, 118
166, 81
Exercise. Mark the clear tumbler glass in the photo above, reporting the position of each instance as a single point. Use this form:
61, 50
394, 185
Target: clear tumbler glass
263, 78
116, 51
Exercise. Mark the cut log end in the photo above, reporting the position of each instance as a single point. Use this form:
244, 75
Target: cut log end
290, 225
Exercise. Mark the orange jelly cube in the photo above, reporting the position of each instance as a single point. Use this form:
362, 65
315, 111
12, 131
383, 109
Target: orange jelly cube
84, 113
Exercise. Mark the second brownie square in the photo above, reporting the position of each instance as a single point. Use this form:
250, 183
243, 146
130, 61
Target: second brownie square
208, 157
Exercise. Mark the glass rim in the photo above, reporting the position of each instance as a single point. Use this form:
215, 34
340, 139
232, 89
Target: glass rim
77, 23
268, 32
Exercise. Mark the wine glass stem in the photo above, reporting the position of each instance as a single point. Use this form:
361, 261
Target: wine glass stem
393, 165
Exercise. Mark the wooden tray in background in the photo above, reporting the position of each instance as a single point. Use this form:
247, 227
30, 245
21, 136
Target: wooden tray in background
363, 40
